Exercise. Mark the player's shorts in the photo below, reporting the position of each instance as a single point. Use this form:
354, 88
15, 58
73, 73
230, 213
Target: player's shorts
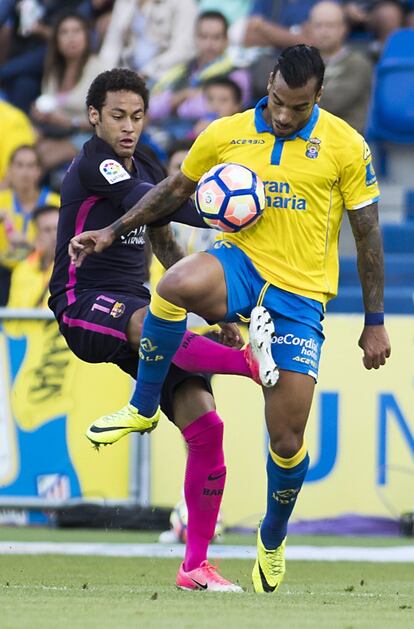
298, 320
95, 329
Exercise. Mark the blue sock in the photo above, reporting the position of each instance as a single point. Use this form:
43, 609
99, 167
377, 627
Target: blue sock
159, 342
283, 487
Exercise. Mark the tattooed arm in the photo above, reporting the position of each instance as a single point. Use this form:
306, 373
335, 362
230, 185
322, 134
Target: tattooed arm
164, 245
158, 202
370, 257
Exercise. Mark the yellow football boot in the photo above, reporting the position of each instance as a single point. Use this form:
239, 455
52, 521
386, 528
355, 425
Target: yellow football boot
269, 569
110, 428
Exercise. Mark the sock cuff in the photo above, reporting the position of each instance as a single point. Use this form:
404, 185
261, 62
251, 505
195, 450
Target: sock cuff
202, 423
292, 461
164, 309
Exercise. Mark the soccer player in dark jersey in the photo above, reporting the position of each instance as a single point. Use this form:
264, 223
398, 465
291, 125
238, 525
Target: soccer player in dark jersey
100, 307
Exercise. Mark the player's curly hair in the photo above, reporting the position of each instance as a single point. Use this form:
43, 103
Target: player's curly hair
298, 64
114, 81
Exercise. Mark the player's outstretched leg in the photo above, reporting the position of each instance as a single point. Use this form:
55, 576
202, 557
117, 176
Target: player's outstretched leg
164, 325
259, 350
285, 478
199, 353
205, 478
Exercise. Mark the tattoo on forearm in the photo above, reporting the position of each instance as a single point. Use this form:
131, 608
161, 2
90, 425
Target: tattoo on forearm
370, 256
162, 200
165, 246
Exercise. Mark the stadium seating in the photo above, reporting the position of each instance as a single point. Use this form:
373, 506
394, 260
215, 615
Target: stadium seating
399, 276
409, 204
391, 116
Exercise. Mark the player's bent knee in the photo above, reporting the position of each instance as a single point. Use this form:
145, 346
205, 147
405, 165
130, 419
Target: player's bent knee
176, 286
287, 445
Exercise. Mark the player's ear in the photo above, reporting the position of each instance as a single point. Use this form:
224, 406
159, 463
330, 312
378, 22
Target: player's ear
93, 115
270, 81
318, 95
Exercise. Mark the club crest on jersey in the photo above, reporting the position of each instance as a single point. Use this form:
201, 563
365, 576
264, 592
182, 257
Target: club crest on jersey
312, 148
118, 310
113, 171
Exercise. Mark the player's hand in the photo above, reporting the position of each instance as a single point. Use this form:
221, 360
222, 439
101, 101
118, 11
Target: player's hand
230, 335
89, 242
376, 346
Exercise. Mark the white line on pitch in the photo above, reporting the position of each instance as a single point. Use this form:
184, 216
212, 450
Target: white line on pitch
398, 554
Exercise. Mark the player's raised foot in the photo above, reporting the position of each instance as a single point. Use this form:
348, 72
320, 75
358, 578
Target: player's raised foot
206, 577
110, 428
269, 569
258, 352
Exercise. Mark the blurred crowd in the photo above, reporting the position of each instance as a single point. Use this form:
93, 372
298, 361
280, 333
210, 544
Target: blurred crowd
202, 59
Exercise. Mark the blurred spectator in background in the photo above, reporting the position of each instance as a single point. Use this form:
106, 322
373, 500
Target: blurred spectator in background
154, 34
31, 277
99, 13
347, 83
232, 10
377, 19
177, 99
190, 239
19, 131
70, 67
276, 24
17, 203
223, 97
28, 26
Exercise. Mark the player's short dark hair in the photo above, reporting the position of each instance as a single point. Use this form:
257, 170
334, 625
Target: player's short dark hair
225, 81
213, 15
40, 210
298, 64
114, 81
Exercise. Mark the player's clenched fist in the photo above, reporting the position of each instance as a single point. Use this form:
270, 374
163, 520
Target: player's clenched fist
89, 242
375, 343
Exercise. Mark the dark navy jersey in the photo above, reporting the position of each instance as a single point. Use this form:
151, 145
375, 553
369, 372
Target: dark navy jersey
95, 192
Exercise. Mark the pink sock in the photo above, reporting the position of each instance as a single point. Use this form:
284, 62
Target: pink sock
198, 353
205, 476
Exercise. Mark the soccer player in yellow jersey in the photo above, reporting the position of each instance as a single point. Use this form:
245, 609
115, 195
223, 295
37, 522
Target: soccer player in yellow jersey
314, 166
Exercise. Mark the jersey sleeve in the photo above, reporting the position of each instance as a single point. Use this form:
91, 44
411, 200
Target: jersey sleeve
358, 182
202, 155
106, 177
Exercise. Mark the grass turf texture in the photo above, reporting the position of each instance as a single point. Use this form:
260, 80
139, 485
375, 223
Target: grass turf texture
88, 592
55, 592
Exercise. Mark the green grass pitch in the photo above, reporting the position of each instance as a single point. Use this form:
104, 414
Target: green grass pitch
64, 592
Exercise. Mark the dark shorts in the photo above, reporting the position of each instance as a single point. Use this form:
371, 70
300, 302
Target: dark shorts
95, 329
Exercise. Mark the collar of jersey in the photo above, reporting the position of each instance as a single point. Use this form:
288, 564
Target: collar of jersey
262, 126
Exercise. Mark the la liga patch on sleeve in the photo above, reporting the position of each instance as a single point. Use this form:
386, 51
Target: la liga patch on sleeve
113, 171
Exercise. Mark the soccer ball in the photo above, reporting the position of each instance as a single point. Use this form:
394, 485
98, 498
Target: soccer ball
230, 197
178, 523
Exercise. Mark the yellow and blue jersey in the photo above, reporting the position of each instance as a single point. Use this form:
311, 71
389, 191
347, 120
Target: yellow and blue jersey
310, 178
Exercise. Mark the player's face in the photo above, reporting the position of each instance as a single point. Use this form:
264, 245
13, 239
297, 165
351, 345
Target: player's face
289, 109
120, 121
211, 39
24, 170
